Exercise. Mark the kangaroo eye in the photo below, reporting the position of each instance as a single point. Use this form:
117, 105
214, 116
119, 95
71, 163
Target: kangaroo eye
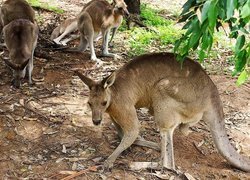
104, 103
89, 104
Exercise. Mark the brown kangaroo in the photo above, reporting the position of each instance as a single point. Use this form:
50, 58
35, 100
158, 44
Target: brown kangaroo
177, 95
65, 28
20, 35
98, 16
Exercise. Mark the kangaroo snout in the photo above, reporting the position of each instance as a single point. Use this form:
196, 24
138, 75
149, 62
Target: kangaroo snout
126, 13
16, 83
96, 121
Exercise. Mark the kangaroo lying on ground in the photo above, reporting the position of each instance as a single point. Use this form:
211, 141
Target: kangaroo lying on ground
20, 35
98, 16
65, 28
176, 95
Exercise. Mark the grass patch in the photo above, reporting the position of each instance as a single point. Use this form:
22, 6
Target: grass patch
151, 17
160, 35
47, 6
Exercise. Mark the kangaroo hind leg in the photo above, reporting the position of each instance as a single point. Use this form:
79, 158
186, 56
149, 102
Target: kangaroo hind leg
167, 127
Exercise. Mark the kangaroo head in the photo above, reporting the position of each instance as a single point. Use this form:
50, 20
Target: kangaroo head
99, 95
18, 70
120, 7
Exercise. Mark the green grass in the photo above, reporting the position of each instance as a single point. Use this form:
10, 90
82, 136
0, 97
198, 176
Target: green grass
38, 4
151, 17
160, 34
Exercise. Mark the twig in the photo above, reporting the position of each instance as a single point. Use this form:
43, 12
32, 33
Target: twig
42, 55
78, 173
198, 148
140, 23
34, 111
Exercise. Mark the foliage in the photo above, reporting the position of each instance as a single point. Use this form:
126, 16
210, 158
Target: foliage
159, 33
38, 4
203, 18
151, 17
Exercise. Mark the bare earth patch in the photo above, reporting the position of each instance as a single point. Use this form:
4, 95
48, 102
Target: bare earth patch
46, 130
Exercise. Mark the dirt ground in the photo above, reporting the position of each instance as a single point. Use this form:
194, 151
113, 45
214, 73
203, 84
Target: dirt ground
46, 130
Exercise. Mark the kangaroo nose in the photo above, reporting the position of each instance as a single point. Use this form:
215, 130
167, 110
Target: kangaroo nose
16, 83
97, 122
127, 13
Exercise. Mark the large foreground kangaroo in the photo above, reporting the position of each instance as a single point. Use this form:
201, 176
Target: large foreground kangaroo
176, 95
20, 33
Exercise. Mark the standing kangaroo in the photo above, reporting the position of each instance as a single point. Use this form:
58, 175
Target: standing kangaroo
68, 28
176, 95
20, 35
98, 16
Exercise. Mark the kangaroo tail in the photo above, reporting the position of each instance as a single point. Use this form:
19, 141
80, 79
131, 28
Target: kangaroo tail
215, 120
74, 49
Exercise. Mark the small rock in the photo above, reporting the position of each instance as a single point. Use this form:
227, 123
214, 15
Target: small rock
74, 166
64, 150
98, 159
39, 156
59, 160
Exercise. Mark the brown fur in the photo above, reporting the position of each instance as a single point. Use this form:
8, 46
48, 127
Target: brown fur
98, 16
20, 35
65, 28
176, 95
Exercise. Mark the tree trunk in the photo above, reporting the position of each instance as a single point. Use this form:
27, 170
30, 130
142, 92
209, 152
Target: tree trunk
133, 6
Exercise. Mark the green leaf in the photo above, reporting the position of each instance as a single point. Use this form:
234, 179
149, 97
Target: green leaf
205, 41
187, 6
195, 35
194, 24
212, 14
242, 78
205, 10
241, 57
202, 55
194, 39
186, 16
231, 5
245, 12
239, 43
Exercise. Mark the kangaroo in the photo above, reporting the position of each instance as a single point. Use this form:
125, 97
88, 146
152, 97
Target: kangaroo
177, 95
98, 16
20, 33
68, 27
65, 28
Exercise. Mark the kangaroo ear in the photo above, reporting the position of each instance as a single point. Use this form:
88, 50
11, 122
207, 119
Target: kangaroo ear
13, 65
9, 63
109, 81
89, 82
